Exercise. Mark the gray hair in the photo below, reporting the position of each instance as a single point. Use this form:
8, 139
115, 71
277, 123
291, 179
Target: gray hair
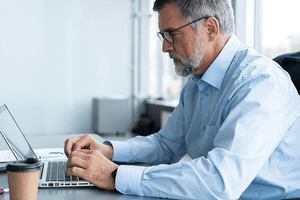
190, 10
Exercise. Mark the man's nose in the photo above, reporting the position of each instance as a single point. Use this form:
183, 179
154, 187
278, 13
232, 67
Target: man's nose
167, 46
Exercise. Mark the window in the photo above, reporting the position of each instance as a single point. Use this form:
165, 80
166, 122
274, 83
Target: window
280, 31
163, 81
271, 25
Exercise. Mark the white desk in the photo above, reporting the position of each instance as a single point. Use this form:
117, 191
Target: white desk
88, 193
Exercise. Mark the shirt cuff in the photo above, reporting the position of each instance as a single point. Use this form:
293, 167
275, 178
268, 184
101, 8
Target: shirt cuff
132, 173
121, 151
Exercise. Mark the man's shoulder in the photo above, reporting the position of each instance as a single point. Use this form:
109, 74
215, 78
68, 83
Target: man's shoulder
249, 64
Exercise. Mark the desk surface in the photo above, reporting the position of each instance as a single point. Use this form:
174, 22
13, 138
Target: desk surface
57, 141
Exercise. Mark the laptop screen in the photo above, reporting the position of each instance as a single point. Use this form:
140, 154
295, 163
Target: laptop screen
13, 136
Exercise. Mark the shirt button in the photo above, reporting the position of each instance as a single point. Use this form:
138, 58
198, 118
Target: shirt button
127, 191
205, 95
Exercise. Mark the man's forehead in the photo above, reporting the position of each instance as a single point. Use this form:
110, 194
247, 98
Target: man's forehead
168, 18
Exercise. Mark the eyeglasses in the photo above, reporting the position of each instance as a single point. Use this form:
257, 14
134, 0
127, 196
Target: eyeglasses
168, 34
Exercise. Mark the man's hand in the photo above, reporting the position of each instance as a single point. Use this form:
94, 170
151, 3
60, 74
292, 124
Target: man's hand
92, 166
87, 142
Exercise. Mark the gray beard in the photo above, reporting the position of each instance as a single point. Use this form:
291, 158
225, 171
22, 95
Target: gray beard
188, 66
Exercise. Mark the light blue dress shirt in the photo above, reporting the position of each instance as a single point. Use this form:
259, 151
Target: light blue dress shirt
239, 123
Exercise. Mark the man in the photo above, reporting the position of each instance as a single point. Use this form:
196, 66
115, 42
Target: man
238, 119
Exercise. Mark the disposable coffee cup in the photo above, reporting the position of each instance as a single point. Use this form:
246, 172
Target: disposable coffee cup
23, 179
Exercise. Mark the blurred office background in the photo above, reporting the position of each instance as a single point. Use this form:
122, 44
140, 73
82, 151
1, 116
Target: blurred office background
58, 56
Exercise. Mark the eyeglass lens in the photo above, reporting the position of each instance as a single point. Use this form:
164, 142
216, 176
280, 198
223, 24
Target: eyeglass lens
165, 35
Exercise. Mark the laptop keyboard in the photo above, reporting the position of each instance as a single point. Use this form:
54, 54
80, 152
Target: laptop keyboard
57, 172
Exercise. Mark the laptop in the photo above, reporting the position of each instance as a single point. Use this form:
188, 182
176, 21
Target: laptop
52, 173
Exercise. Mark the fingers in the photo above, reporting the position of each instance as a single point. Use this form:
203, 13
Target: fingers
78, 159
77, 163
77, 171
83, 142
69, 144
92, 166
77, 143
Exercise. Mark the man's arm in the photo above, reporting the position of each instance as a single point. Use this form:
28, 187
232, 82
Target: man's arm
165, 147
253, 127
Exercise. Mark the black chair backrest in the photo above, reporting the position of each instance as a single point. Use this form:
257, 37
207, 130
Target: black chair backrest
290, 62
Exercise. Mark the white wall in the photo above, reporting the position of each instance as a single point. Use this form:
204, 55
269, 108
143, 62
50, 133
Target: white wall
55, 56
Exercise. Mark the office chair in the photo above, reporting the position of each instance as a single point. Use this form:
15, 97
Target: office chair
290, 62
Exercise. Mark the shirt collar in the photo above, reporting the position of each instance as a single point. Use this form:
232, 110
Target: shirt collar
215, 74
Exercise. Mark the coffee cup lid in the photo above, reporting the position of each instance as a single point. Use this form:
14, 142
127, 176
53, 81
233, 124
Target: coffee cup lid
28, 165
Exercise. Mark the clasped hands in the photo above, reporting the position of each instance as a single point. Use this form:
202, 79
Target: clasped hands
90, 160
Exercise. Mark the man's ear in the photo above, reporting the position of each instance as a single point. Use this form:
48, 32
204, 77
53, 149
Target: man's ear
212, 28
